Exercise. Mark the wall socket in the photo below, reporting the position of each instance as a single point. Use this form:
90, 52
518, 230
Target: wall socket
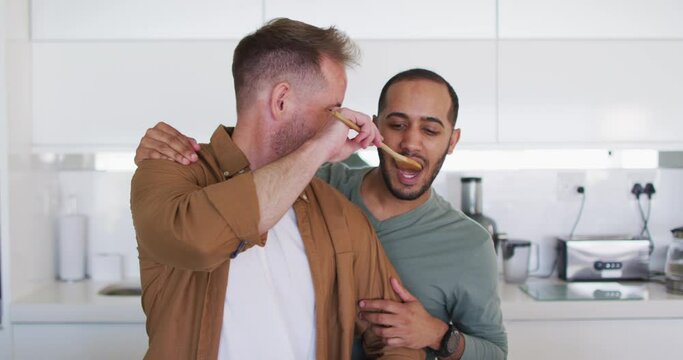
641, 177
567, 182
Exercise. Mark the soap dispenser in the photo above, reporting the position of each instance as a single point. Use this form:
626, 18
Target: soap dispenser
71, 242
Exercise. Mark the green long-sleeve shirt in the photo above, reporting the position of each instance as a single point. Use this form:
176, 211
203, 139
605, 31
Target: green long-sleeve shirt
444, 258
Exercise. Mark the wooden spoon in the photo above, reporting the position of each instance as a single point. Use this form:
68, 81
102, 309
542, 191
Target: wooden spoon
403, 162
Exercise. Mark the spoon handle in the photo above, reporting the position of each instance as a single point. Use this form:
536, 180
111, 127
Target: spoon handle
412, 163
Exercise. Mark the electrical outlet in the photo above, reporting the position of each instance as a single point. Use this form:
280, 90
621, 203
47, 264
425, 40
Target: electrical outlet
641, 177
637, 190
568, 182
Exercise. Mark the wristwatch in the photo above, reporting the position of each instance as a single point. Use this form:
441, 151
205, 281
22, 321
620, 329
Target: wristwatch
449, 342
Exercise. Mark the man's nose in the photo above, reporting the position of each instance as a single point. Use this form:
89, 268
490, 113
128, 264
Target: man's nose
411, 141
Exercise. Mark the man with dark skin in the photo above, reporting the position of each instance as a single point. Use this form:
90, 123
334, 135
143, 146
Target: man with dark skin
446, 260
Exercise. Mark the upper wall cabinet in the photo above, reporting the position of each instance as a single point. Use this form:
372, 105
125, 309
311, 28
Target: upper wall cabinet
469, 66
114, 91
395, 19
589, 19
106, 94
144, 19
582, 92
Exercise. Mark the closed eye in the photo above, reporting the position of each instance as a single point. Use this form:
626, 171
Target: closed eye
431, 132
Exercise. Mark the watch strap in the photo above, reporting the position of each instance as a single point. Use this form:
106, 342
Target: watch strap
449, 343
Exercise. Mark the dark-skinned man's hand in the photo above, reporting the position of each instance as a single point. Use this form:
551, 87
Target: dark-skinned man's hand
165, 142
406, 323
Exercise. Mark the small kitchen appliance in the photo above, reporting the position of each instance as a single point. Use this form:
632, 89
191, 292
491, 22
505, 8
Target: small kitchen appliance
516, 260
593, 258
674, 263
471, 204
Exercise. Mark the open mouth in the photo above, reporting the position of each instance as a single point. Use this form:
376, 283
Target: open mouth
409, 177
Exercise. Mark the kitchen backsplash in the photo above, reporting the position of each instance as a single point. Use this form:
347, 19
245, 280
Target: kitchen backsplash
525, 204
104, 197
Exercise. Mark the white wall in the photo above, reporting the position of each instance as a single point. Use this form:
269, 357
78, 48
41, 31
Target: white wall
31, 190
5, 337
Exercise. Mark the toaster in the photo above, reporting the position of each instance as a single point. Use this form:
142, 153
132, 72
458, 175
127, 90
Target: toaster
594, 258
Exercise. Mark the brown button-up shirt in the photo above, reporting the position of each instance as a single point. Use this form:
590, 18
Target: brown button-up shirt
190, 220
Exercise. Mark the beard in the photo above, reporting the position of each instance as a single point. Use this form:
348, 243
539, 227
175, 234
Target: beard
409, 195
291, 136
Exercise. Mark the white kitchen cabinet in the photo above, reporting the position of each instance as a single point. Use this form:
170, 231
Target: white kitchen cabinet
144, 19
79, 341
594, 339
589, 19
468, 65
106, 94
589, 329
395, 19
5, 343
591, 92
115, 91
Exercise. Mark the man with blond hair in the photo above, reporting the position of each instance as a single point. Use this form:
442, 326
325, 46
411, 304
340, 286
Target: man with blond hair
243, 254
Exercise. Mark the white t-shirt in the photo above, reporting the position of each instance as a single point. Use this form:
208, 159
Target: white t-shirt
269, 310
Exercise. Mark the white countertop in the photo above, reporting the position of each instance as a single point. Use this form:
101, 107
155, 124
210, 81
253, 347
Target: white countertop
658, 304
80, 302
77, 302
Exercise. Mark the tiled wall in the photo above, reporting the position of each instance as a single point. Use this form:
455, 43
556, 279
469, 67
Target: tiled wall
104, 197
524, 204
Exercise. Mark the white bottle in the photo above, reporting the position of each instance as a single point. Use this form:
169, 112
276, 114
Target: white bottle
71, 243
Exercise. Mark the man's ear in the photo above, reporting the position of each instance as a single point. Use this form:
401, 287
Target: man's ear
280, 97
455, 137
375, 120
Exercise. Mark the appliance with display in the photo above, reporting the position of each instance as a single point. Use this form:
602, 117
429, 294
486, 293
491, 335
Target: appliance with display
591, 258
